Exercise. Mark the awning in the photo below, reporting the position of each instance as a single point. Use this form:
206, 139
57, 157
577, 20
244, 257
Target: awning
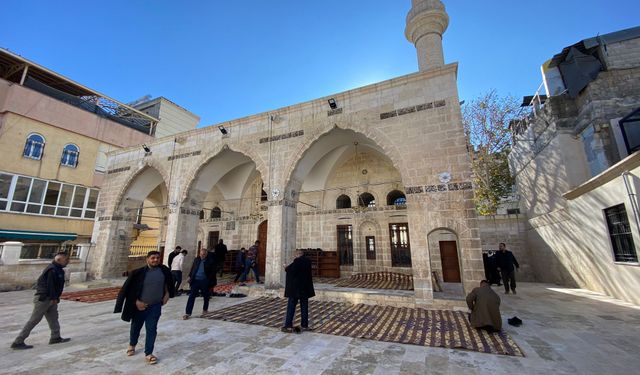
12, 234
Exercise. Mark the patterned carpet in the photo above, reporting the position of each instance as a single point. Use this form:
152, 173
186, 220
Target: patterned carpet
378, 280
106, 294
438, 328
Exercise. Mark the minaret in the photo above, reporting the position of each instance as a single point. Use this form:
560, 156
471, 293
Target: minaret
426, 22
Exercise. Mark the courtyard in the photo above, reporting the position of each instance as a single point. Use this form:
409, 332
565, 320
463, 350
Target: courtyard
565, 331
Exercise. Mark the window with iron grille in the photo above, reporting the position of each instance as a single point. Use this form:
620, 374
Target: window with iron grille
70, 154
370, 242
620, 234
400, 248
345, 244
34, 146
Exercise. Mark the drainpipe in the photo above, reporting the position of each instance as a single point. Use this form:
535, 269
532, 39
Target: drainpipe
626, 175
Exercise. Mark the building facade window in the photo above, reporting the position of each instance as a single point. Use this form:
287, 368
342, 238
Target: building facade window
345, 244
22, 194
370, 242
34, 147
366, 200
620, 234
343, 201
396, 198
70, 155
400, 248
47, 250
216, 213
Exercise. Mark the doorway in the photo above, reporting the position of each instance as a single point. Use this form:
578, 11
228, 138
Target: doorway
450, 263
262, 249
213, 240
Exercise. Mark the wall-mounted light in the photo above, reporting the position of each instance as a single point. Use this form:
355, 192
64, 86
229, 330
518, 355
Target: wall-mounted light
223, 130
332, 103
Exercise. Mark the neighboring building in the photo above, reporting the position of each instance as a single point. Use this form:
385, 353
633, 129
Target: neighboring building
378, 177
55, 135
173, 118
577, 168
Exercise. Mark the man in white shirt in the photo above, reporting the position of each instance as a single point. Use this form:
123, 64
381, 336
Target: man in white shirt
176, 270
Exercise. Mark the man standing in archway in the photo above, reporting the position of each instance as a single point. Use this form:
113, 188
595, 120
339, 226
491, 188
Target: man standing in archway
221, 254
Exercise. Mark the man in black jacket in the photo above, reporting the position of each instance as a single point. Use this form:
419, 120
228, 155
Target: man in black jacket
45, 303
202, 278
299, 287
141, 299
173, 254
221, 254
505, 262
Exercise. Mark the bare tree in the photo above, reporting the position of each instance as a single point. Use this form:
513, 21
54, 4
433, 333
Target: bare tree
486, 124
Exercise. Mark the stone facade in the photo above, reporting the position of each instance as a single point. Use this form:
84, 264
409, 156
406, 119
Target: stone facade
568, 158
399, 134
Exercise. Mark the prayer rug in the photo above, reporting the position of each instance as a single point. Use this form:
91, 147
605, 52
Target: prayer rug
270, 312
436, 328
106, 294
378, 280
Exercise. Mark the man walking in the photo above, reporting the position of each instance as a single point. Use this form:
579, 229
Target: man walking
45, 303
141, 299
176, 270
240, 263
251, 263
221, 254
484, 304
505, 262
202, 278
173, 254
298, 288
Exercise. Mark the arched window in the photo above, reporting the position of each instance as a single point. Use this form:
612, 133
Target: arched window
396, 198
201, 214
366, 200
216, 213
70, 154
34, 146
343, 201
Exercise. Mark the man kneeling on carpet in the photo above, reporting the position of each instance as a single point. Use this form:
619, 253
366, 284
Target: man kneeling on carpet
141, 299
299, 287
484, 304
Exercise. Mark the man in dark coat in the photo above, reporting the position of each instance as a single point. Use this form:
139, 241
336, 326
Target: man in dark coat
202, 278
221, 254
299, 287
240, 262
45, 303
484, 304
505, 262
141, 299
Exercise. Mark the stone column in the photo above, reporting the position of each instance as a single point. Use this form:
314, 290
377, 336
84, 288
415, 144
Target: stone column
426, 22
10, 253
110, 256
420, 262
281, 241
182, 230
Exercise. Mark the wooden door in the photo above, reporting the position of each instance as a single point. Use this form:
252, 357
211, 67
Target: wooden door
262, 250
213, 240
450, 264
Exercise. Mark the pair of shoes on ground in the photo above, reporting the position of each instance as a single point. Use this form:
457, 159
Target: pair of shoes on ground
295, 329
22, 345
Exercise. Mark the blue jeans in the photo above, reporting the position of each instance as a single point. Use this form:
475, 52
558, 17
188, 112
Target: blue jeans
198, 286
149, 317
291, 312
247, 268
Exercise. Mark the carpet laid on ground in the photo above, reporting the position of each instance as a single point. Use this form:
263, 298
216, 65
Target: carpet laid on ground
378, 280
106, 294
437, 328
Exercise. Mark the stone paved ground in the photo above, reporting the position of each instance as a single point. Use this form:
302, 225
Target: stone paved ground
565, 331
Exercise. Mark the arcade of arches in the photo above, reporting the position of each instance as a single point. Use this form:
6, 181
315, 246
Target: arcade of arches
365, 183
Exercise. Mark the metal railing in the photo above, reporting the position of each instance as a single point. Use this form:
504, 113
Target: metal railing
137, 251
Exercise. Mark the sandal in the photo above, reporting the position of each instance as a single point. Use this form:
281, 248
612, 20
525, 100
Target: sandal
131, 351
185, 317
152, 359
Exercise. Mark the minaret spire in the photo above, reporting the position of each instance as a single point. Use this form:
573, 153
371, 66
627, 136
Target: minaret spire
426, 22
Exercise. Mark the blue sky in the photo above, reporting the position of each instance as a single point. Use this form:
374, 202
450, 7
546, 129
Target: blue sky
228, 59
